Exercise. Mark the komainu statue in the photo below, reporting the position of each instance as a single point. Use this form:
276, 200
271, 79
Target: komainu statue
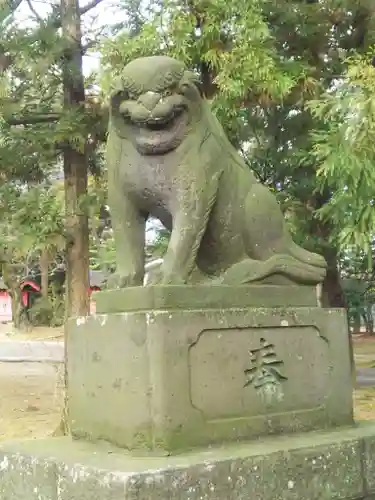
168, 157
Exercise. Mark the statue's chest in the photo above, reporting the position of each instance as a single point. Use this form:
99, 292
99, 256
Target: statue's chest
150, 178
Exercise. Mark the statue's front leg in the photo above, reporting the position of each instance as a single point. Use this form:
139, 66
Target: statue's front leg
129, 234
128, 222
189, 225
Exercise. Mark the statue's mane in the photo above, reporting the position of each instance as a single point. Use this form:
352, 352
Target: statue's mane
219, 139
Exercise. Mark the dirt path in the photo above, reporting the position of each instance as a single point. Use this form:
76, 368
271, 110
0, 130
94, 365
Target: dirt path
31, 399
36, 333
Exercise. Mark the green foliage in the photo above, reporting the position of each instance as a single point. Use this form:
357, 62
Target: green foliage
47, 311
32, 219
103, 254
344, 150
158, 246
230, 38
359, 286
360, 297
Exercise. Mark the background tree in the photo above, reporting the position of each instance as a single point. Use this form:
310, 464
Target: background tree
47, 116
32, 232
344, 151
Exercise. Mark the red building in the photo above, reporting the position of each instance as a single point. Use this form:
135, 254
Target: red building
31, 290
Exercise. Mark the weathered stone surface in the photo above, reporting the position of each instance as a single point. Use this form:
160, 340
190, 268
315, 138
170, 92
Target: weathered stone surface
26, 477
168, 156
369, 457
312, 466
153, 298
172, 380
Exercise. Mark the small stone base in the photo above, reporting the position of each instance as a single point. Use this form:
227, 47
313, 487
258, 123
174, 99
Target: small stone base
339, 465
174, 297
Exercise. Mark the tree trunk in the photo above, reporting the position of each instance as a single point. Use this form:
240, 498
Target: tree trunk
44, 269
357, 323
75, 168
75, 181
14, 290
17, 307
333, 295
369, 320
332, 292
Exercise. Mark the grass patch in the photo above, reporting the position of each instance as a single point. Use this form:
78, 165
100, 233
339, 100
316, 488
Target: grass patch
364, 404
364, 352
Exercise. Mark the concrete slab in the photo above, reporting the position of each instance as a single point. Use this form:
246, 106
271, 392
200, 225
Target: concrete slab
336, 465
31, 351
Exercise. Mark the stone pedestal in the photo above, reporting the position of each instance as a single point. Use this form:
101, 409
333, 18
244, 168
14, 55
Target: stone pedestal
170, 379
192, 393
337, 465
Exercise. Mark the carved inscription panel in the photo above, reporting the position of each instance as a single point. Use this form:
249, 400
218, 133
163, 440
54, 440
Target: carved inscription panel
254, 371
265, 368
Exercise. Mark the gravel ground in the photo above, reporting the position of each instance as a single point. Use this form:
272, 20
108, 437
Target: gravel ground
31, 399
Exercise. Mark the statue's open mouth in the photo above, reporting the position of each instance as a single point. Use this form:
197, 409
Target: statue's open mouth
159, 135
161, 122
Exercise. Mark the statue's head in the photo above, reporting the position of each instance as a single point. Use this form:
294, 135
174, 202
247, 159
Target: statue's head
155, 103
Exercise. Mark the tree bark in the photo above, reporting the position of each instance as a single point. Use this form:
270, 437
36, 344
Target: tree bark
369, 321
75, 181
75, 168
44, 269
14, 290
17, 307
333, 294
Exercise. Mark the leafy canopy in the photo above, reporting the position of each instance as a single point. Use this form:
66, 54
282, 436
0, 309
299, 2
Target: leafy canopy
345, 153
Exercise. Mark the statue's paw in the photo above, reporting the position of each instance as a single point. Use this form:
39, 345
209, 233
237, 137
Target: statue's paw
316, 260
163, 278
172, 280
154, 278
119, 280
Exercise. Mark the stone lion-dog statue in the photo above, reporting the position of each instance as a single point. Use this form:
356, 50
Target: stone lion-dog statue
168, 157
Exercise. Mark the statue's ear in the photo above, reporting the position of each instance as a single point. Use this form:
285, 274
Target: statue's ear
116, 87
119, 87
193, 78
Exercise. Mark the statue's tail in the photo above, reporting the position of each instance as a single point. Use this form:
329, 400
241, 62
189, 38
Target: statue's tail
306, 257
150, 268
251, 271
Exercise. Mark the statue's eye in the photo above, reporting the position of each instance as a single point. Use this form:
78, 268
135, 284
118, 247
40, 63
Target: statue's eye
170, 91
169, 78
127, 95
184, 87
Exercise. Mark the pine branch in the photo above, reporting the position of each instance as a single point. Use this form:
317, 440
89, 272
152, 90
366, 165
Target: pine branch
89, 6
5, 60
8, 7
11, 6
56, 21
89, 45
34, 12
33, 119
